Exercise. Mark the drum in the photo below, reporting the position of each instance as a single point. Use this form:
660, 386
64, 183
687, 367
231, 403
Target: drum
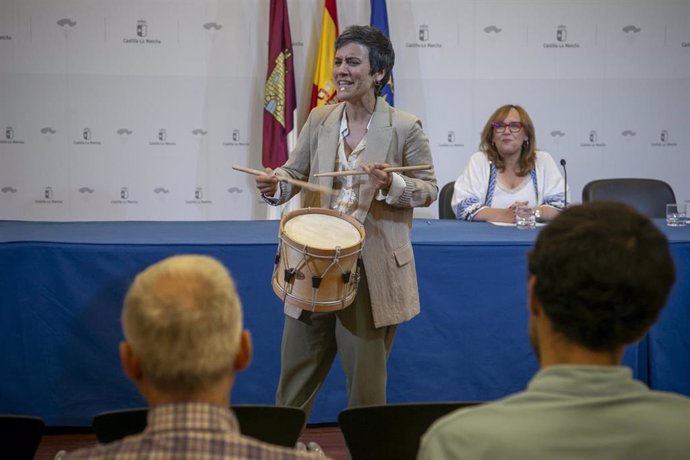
317, 263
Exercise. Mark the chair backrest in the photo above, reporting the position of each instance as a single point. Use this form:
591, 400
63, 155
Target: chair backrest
445, 210
391, 431
114, 425
20, 435
271, 424
648, 196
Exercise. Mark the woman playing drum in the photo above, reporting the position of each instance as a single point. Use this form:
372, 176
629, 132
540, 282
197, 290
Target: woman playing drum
360, 132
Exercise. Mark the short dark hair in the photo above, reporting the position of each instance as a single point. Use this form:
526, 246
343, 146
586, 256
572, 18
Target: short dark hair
603, 273
381, 53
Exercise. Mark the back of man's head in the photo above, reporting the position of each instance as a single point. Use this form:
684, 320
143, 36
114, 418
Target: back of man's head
603, 273
182, 318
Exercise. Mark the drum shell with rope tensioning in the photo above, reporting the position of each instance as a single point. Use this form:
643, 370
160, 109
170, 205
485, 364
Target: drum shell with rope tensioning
318, 259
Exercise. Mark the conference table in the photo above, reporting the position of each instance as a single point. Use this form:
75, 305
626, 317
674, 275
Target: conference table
63, 285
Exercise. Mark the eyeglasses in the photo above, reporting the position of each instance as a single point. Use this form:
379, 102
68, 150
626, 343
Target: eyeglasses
514, 126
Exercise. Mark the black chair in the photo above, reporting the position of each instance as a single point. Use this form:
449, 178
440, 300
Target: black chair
20, 435
649, 196
391, 431
445, 210
271, 424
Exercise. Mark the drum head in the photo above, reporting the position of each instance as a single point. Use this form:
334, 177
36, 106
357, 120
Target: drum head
322, 231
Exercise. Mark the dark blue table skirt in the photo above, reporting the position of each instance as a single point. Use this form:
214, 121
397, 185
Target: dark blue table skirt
62, 287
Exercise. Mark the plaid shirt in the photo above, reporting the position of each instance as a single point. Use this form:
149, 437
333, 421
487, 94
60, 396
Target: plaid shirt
190, 431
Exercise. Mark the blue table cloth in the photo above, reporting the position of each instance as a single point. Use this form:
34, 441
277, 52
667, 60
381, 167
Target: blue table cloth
63, 284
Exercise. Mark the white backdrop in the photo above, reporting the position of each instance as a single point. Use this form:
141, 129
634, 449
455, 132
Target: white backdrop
136, 110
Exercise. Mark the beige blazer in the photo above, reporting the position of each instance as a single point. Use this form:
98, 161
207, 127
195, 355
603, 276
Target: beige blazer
394, 137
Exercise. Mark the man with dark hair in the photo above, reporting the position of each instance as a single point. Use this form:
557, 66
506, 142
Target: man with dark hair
599, 276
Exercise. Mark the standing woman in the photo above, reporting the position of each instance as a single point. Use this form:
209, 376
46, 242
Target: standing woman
362, 132
508, 173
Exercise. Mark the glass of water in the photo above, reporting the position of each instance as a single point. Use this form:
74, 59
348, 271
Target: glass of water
524, 218
675, 215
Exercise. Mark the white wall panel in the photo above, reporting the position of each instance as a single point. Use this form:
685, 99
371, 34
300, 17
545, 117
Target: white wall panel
136, 110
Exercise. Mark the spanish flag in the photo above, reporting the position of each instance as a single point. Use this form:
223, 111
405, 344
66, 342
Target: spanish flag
323, 90
279, 91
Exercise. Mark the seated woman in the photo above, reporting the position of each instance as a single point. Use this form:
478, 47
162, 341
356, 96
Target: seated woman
508, 173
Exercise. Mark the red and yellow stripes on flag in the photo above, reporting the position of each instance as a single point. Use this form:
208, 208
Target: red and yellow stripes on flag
323, 89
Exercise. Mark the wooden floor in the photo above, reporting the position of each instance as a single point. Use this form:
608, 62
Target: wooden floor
328, 437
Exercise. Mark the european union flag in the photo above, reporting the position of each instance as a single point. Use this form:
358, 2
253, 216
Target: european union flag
379, 19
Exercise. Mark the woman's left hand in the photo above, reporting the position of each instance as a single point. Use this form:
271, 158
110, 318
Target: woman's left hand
380, 179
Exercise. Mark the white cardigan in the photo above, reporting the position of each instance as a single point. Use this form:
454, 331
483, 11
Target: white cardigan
475, 187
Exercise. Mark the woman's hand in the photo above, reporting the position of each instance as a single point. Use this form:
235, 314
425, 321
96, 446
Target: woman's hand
381, 179
267, 183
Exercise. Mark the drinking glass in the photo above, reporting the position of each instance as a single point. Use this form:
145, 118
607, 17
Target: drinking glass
524, 218
675, 215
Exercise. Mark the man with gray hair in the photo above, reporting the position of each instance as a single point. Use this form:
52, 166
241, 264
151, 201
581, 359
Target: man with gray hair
184, 343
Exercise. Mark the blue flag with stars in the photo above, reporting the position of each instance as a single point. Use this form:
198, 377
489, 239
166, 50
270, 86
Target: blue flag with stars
379, 19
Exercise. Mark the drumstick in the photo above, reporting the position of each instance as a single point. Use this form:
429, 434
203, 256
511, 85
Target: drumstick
356, 172
289, 180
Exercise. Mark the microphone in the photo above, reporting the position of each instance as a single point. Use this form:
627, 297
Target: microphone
565, 184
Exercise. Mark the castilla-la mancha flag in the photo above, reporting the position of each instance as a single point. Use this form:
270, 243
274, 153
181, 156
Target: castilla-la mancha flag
323, 90
279, 92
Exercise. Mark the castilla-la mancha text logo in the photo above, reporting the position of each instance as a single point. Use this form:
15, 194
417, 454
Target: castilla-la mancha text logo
142, 31
664, 140
10, 136
423, 39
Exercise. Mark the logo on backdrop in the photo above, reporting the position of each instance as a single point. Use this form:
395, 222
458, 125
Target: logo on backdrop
423, 39
10, 136
628, 136
141, 28
557, 135
212, 29
199, 197
593, 140
423, 33
236, 141
66, 26
47, 133
7, 190
561, 36
562, 33
450, 140
48, 196
86, 193
161, 194
631, 32
5, 37
162, 138
87, 138
199, 134
491, 33
125, 197
123, 134
232, 190
664, 140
